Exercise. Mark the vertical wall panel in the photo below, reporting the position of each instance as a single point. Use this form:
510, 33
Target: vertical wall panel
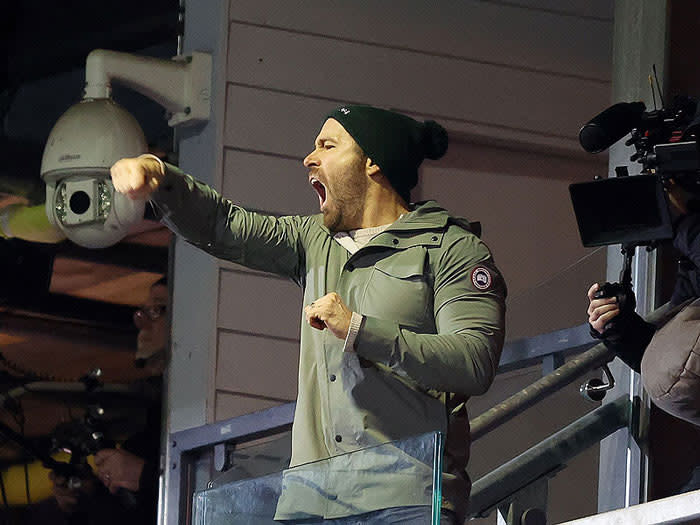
254, 180
439, 86
258, 303
271, 122
258, 366
520, 36
227, 405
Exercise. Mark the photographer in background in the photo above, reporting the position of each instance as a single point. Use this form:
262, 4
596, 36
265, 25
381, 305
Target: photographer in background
124, 486
668, 357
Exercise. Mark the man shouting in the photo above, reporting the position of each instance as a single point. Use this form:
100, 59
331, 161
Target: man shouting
404, 307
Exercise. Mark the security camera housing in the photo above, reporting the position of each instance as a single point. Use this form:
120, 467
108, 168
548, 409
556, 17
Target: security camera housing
82, 147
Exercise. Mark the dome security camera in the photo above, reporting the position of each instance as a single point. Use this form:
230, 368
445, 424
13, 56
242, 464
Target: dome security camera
82, 147
95, 133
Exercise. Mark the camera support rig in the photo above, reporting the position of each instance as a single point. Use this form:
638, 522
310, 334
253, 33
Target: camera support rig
635, 210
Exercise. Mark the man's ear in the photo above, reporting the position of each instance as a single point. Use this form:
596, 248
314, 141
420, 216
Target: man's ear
371, 168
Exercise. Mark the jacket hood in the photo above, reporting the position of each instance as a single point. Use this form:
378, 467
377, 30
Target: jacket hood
428, 215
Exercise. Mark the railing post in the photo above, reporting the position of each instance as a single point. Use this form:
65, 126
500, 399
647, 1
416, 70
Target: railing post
640, 41
528, 506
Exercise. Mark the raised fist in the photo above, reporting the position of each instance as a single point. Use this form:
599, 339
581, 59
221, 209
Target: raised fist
137, 177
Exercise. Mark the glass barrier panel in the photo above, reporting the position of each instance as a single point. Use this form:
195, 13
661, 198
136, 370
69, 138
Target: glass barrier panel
255, 459
342, 488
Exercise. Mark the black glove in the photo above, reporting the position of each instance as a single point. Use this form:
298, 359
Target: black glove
627, 334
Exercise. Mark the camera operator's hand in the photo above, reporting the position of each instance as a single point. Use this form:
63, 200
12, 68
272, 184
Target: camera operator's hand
601, 311
678, 197
68, 498
117, 468
137, 177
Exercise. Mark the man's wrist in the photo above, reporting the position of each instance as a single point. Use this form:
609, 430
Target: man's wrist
353, 330
158, 160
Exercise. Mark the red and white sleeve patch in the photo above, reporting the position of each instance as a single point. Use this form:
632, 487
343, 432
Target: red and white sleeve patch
481, 278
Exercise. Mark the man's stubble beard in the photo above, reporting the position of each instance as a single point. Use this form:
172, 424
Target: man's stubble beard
348, 201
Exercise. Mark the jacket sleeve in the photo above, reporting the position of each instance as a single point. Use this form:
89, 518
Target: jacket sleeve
629, 340
198, 213
462, 356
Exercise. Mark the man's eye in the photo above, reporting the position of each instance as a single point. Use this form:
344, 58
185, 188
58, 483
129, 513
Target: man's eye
329, 146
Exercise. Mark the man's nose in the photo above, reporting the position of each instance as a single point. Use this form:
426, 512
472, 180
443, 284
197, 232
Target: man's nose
311, 160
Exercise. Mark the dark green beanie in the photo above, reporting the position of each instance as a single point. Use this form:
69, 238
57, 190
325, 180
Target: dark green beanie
395, 142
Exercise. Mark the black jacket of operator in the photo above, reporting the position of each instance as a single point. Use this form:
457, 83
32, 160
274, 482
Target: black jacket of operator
629, 338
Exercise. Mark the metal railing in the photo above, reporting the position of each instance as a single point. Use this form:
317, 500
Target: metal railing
186, 447
545, 459
497, 489
558, 379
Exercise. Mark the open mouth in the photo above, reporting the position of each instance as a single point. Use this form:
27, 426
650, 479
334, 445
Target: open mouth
320, 190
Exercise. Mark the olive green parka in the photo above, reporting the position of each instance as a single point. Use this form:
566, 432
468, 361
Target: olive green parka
433, 304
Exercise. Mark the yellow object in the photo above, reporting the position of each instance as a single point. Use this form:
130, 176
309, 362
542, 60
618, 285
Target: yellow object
29, 223
39, 484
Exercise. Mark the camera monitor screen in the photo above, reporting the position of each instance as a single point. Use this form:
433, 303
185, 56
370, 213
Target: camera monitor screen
621, 210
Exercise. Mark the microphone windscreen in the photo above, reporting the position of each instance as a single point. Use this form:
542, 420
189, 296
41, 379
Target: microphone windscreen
610, 126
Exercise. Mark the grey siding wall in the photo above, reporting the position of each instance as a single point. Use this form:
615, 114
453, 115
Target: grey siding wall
512, 82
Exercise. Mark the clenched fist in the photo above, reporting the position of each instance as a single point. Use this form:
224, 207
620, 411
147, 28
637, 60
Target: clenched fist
329, 312
137, 177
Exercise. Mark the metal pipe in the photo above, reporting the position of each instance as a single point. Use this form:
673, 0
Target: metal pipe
562, 376
549, 455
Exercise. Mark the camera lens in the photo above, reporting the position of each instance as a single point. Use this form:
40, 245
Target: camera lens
79, 202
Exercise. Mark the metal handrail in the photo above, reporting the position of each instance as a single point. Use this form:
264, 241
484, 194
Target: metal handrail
517, 403
182, 444
548, 456
520, 401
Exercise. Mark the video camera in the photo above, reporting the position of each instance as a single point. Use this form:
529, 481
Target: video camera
634, 210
